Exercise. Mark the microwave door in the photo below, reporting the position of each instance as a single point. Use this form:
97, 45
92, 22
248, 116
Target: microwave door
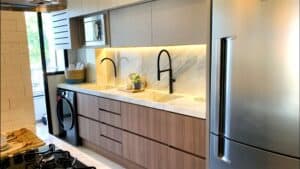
89, 31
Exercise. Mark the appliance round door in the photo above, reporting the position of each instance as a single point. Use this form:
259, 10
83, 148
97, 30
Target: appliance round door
65, 114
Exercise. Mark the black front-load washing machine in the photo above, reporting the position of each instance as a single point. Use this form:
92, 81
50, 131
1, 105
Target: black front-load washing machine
67, 116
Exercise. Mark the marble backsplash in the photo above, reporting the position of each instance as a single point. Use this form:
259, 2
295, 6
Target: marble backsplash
188, 62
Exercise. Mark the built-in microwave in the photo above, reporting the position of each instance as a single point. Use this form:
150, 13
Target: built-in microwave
95, 30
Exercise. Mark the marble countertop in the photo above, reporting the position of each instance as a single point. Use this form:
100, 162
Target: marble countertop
176, 103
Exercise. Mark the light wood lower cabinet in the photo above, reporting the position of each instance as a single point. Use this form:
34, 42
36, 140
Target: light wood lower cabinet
87, 106
145, 121
187, 133
89, 130
110, 118
145, 137
181, 160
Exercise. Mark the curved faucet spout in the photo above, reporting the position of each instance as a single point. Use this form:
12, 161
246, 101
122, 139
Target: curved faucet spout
115, 68
170, 70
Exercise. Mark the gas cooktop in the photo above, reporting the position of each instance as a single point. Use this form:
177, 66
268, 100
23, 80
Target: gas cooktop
47, 157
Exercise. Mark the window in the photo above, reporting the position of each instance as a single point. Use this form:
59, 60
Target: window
55, 59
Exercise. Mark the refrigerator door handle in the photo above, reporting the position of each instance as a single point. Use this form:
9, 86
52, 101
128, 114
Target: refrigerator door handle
224, 80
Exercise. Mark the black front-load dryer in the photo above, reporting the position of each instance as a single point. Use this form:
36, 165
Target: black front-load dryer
67, 116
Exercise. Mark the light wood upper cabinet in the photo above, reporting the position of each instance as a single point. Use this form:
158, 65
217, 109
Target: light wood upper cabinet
75, 8
87, 106
90, 6
187, 133
180, 22
131, 26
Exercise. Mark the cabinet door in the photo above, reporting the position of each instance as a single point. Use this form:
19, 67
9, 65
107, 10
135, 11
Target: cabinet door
145, 121
87, 106
89, 130
90, 6
180, 22
75, 8
131, 26
187, 133
135, 148
181, 160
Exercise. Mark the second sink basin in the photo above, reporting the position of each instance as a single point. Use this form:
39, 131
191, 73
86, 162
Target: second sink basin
157, 96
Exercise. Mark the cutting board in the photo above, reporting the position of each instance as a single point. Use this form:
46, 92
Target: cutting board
131, 90
20, 141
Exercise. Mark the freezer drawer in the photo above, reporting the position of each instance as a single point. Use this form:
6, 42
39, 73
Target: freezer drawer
239, 156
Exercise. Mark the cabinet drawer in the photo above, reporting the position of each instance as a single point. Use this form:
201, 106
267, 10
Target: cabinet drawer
187, 133
145, 121
110, 118
87, 106
111, 132
109, 105
89, 130
181, 160
110, 145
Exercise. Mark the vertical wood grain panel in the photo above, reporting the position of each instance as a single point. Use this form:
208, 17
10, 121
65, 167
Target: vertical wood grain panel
145, 121
187, 133
110, 118
109, 105
89, 130
111, 132
87, 106
181, 160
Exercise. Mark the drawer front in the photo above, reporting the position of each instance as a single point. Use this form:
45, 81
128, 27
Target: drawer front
187, 133
89, 130
87, 106
145, 121
111, 132
110, 145
109, 105
110, 118
181, 160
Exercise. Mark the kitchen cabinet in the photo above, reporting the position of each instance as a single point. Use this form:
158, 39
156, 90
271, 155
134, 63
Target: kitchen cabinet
181, 160
65, 30
91, 6
87, 106
161, 23
110, 118
178, 22
131, 26
144, 152
89, 130
148, 122
143, 136
75, 8
187, 133
109, 105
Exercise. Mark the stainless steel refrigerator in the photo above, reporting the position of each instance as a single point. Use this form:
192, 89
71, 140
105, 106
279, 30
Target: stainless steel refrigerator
254, 99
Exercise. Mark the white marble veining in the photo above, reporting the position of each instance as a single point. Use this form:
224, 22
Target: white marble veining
188, 63
184, 104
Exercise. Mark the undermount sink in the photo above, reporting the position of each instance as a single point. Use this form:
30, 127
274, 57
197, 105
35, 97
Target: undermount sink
157, 96
95, 87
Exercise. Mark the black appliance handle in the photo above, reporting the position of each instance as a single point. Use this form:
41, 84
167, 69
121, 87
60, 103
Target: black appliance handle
59, 112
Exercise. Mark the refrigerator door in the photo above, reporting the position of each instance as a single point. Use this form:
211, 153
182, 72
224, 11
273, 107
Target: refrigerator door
255, 75
245, 157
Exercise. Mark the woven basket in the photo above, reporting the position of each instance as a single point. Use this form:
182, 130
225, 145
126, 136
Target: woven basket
75, 76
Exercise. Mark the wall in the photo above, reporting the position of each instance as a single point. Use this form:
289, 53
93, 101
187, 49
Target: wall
188, 62
16, 91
